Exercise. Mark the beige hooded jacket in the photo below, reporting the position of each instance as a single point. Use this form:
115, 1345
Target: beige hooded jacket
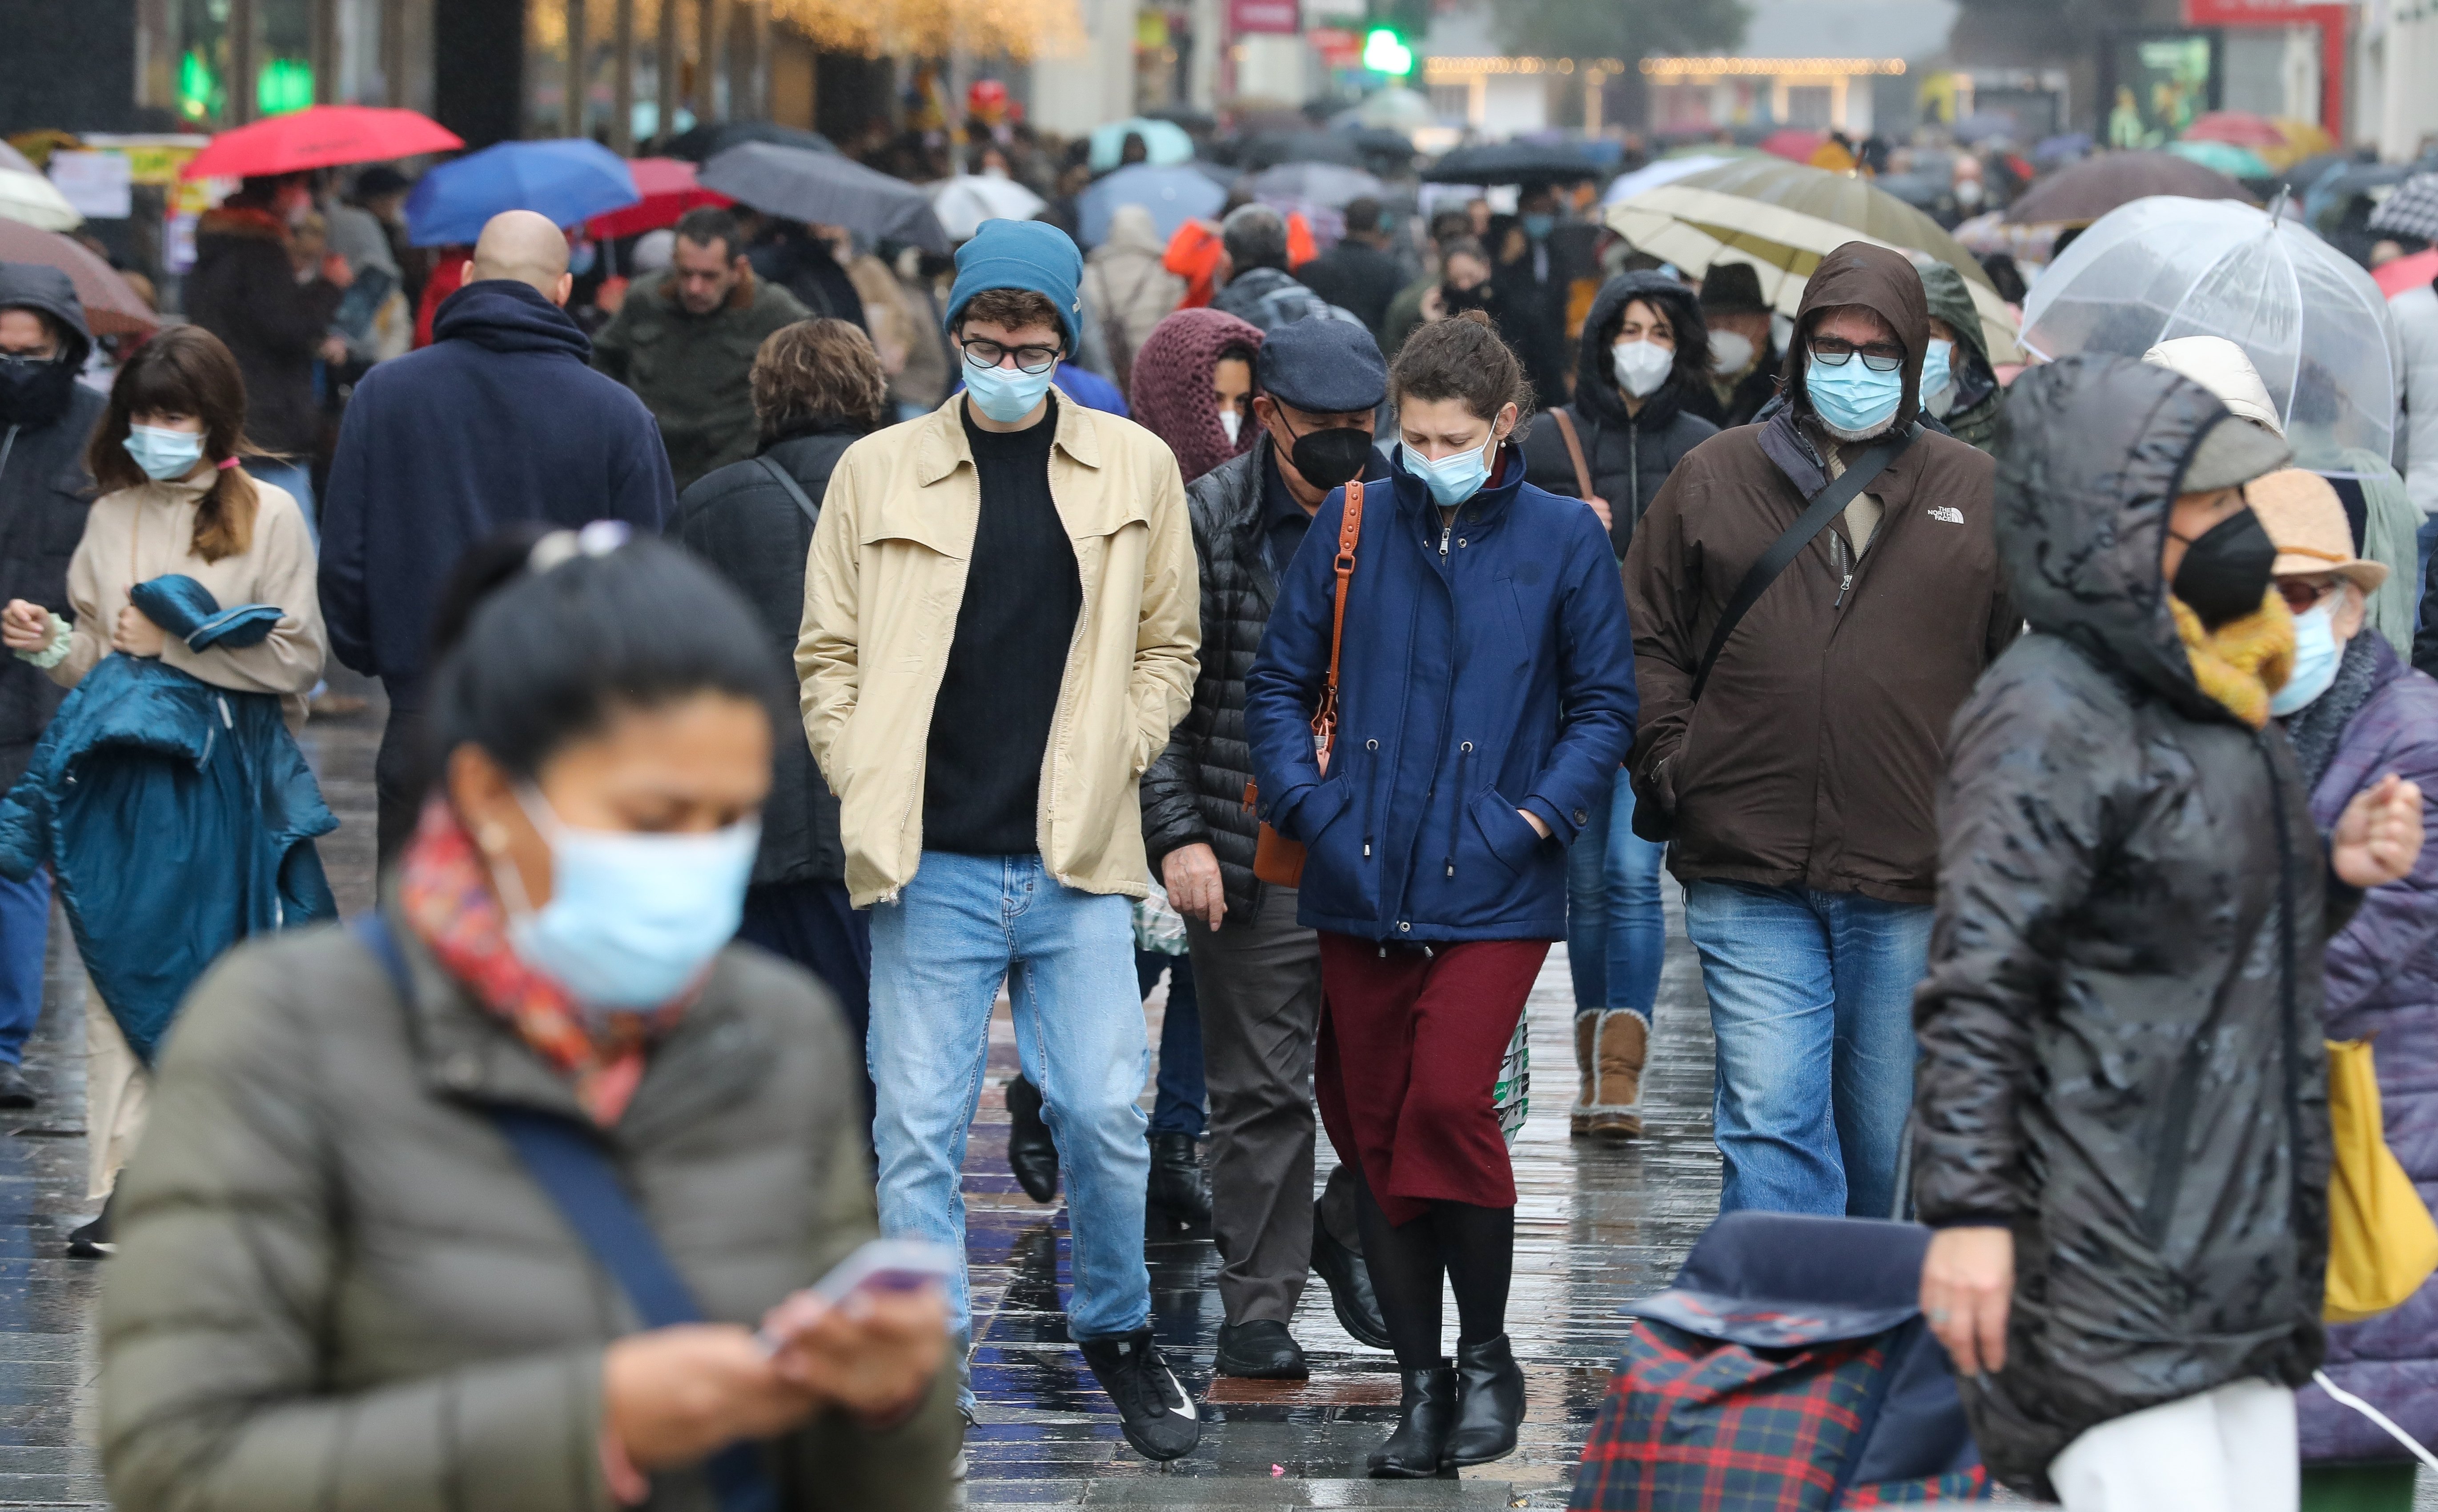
882, 589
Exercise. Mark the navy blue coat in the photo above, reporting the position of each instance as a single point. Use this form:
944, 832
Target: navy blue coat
1486, 668
500, 420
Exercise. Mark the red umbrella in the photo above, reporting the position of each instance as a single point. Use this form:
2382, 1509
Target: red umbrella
320, 136
2241, 128
668, 189
112, 306
2397, 274
1792, 143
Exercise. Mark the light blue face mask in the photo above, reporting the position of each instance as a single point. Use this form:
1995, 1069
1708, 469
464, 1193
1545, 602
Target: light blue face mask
1452, 479
632, 919
1007, 395
1538, 226
1937, 369
164, 455
1852, 397
2317, 652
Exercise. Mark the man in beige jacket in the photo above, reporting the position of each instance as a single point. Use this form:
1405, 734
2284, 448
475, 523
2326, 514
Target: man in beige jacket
1000, 621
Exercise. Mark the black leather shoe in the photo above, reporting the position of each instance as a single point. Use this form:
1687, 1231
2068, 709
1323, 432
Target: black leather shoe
1414, 1451
1031, 1153
15, 1091
1350, 1284
1260, 1350
1488, 1404
1177, 1186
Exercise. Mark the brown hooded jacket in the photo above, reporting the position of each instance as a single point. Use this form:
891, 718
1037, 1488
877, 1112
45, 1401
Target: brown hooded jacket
1814, 758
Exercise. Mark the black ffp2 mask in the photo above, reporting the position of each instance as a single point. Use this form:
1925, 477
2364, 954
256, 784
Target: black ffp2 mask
1331, 458
34, 392
2225, 572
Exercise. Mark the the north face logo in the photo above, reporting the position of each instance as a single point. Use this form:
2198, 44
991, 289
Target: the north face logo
1948, 513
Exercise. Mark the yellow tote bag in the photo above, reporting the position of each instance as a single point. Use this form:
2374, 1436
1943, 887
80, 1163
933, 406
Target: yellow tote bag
2382, 1243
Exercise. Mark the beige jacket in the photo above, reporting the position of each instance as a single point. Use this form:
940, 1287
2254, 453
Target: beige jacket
137, 534
881, 591
1127, 284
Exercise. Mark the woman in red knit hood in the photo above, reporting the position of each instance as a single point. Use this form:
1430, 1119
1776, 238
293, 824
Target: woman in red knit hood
1193, 387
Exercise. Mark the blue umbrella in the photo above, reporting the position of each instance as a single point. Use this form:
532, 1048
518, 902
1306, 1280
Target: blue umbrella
1165, 141
1173, 196
570, 181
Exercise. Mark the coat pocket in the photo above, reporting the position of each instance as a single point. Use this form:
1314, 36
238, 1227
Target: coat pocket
1511, 841
1336, 876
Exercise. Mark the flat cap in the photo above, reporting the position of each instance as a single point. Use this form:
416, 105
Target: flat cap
1323, 365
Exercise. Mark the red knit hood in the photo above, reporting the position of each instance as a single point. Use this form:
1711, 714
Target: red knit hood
1171, 393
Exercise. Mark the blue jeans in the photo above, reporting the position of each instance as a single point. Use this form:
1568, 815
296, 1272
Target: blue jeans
2427, 540
1811, 1001
25, 928
1615, 931
939, 953
297, 477
1177, 1105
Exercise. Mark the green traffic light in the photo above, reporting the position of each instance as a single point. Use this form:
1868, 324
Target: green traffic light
1384, 52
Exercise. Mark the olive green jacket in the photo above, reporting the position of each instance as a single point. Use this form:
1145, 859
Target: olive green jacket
694, 372
336, 1285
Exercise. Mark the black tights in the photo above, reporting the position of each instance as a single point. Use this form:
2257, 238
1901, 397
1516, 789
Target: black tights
1473, 1247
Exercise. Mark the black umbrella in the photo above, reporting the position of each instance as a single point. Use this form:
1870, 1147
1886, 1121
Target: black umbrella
1379, 146
1519, 163
824, 188
1270, 149
705, 142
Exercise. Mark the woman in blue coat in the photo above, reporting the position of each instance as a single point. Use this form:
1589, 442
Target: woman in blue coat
1485, 698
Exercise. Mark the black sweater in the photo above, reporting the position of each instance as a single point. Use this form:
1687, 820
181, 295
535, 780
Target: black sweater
999, 694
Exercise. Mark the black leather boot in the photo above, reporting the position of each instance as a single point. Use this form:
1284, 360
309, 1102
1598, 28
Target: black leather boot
1414, 1451
1488, 1404
1031, 1153
1350, 1284
1178, 1188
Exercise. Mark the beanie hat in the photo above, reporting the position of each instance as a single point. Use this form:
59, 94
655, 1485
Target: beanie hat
1032, 255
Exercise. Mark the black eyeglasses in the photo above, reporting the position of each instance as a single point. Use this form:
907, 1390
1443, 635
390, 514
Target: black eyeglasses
984, 353
1880, 356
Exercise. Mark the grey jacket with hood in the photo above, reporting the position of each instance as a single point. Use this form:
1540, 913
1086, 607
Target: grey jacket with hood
44, 491
2120, 1028
1629, 455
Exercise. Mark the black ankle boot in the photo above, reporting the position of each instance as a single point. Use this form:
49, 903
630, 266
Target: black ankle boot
1178, 1188
1488, 1404
1031, 1153
1414, 1451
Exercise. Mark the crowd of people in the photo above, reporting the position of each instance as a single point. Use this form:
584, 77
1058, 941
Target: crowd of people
2041, 784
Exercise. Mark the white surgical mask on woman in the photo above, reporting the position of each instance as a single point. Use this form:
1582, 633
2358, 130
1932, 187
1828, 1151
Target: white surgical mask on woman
1231, 421
1641, 366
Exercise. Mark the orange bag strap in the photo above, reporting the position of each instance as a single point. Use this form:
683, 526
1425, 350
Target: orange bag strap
1350, 530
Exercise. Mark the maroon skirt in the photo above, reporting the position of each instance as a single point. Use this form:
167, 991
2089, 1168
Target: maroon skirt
1410, 1046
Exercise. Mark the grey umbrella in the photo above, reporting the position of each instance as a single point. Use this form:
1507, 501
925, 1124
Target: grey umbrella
825, 189
1330, 184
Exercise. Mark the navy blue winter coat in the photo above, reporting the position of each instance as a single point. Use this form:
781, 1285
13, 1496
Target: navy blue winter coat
500, 420
1486, 668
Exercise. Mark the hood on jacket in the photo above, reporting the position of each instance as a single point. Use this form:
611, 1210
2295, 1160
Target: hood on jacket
2092, 452
1131, 231
33, 286
241, 222
1171, 393
1952, 301
1880, 280
2223, 368
1595, 373
504, 315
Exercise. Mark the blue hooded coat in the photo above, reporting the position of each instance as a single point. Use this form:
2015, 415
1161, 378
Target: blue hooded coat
141, 752
1486, 668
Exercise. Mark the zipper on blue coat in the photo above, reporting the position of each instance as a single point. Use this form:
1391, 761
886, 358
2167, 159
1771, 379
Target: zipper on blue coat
1370, 786
1456, 812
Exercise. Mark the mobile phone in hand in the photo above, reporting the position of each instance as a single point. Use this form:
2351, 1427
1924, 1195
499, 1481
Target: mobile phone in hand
880, 1265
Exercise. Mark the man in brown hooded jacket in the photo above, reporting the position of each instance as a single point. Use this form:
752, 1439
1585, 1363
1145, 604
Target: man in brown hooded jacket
1801, 791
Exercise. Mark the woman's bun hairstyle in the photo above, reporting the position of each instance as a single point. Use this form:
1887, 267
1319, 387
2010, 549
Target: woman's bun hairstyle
1462, 358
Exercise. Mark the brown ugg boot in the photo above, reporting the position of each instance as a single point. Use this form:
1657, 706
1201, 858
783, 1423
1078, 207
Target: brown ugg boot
1578, 1118
1624, 1045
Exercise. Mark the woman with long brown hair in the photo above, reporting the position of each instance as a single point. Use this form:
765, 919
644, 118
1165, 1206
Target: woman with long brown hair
181, 532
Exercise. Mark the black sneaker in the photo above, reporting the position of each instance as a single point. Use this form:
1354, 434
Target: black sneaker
91, 1242
1158, 1418
1260, 1350
15, 1091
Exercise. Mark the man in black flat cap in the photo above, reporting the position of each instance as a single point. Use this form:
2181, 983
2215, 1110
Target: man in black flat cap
1319, 382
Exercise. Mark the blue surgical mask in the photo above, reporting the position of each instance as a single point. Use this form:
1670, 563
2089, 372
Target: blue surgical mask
1852, 397
164, 455
1936, 373
2316, 651
1538, 226
1007, 395
1452, 479
632, 919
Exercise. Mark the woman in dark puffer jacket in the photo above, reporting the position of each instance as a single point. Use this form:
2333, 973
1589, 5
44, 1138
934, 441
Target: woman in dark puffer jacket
2122, 1124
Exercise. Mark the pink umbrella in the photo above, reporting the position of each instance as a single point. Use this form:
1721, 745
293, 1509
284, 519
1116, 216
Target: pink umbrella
2241, 128
2399, 273
320, 136
668, 189
1792, 143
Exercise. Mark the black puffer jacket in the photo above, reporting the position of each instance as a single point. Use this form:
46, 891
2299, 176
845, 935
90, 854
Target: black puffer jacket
2121, 1053
1194, 792
744, 523
1629, 455
44, 492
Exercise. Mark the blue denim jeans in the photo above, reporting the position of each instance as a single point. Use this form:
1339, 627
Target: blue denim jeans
297, 477
1178, 1096
939, 954
2428, 542
25, 929
1615, 931
1811, 1001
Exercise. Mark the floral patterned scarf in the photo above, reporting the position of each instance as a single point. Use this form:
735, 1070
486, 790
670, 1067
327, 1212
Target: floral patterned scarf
445, 893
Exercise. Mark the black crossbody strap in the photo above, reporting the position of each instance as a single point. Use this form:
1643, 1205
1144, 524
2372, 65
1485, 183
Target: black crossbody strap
1825, 505
795, 490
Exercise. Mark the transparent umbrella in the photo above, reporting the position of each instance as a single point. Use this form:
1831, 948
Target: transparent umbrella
2311, 321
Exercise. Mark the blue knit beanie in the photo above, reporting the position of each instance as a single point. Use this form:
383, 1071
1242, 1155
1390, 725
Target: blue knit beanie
1021, 254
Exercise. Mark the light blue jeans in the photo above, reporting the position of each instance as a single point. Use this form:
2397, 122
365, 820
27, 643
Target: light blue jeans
1811, 1002
1616, 934
939, 954
297, 477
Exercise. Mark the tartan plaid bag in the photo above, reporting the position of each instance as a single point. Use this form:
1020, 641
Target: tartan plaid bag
1787, 1369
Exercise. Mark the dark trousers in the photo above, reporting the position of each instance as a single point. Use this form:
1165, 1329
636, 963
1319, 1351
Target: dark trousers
398, 777
1178, 1091
813, 924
